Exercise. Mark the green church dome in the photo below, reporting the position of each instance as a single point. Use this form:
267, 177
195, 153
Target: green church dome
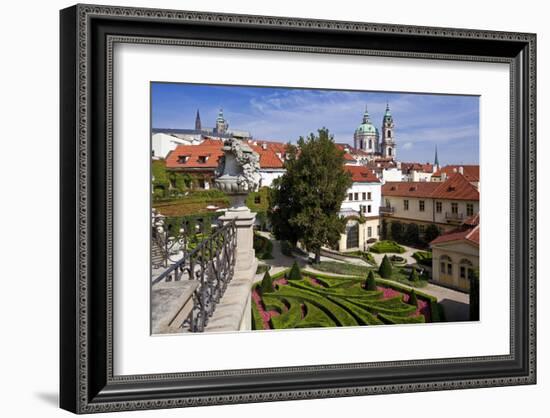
366, 127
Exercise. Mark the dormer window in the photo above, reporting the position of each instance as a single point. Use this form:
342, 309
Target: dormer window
182, 159
203, 159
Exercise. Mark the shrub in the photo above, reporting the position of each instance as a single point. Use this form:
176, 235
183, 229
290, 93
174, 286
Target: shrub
412, 298
386, 247
474, 296
385, 269
413, 277
263, 247
267, 284
431, 232
423, 257
411, 235
396, 231
370, 284
295, 273
286, 248
384, 230
262, 268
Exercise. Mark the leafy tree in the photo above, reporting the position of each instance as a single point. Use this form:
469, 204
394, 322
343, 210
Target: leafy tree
307, 198
411, 234
370, 283
295, 273
413, 277
431, 232
267, 284
385, 269
412, 298
396, 231
474, 296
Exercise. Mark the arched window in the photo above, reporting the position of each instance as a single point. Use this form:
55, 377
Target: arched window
389, 151
445, 265
370, 143
466, 268
389, 134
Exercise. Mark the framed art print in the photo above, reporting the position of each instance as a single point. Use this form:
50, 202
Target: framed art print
262, 208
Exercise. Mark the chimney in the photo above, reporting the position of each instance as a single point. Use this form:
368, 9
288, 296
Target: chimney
461, 170
264, 145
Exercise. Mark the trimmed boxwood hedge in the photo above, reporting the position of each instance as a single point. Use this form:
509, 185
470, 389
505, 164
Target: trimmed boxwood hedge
334, 301
382, 247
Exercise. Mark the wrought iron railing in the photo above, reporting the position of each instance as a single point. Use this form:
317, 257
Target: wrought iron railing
454, 216
212, 264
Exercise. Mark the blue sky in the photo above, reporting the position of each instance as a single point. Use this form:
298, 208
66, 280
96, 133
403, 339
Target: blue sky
422, 121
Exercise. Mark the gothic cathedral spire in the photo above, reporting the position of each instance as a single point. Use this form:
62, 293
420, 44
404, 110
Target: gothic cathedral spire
198, 125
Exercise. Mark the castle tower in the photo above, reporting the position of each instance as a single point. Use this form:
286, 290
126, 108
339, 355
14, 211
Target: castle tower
198, 125
366, 135
221, 124
388, 137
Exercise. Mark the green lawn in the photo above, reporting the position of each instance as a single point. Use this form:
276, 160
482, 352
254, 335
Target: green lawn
341, 268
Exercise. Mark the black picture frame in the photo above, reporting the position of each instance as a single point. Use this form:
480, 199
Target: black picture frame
87, 35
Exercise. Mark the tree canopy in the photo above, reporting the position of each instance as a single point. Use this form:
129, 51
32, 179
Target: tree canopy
307, 198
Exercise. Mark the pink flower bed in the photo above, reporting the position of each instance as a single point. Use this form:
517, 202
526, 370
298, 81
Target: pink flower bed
257, 299
423, 307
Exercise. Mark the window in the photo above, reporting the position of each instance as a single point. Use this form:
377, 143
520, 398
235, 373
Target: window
421, 205
350, 196
182, 159
438, 207
369, 208
257, 199
369, 195
449, 269
356, 196
389, 134
202, 159
389, 152
370, 143
469, 209
364, 196
454, 207
442, 267
369, 231
388, 203
462, 272
362, 208
405, 204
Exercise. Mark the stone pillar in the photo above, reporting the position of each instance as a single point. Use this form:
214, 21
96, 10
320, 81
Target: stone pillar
246, 261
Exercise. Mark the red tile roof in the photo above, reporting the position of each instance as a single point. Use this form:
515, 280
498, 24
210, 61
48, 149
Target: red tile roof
455, 188
425, 168
471, 172
194, 152
465, 232
212, 149
361, 174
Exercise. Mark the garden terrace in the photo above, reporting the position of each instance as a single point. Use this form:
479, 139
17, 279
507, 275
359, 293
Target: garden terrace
319, 300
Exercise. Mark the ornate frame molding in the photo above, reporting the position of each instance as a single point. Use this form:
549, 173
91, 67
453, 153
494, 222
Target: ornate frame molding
84, 390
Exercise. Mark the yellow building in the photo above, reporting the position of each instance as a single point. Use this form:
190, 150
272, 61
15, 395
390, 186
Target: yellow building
445, 204
455, 255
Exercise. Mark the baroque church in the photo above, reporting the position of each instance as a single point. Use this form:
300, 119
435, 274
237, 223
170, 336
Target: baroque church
367, 137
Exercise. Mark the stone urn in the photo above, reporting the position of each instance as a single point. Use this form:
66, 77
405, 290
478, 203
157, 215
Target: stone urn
238, 172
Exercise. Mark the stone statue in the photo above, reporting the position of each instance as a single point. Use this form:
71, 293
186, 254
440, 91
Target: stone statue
238, 171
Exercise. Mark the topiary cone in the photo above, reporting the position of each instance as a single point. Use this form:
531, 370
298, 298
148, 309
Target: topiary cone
295, 273
267, 284
412, 298
413, 277
370, 283
385, 269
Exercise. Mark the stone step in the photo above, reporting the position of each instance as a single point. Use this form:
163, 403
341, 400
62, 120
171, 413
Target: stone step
171, 303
